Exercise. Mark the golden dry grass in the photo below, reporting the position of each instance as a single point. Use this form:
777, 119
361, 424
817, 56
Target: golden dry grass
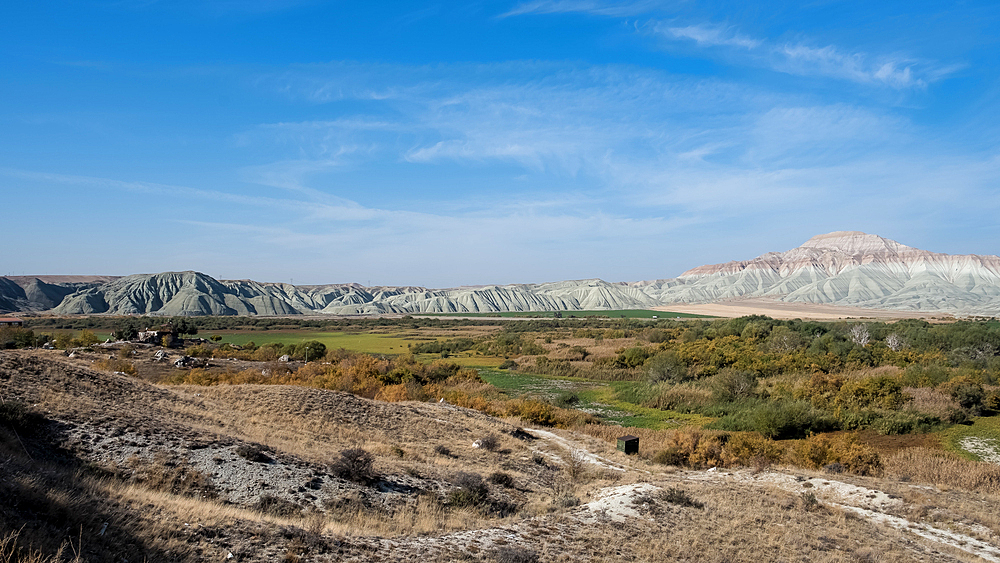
943, 469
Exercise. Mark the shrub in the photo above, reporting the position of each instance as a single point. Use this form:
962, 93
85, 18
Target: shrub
692, 448
957, 416
777, 419
253, 452
277, 506
533, 411
992, 400
199, 351
968, 393
490, 443
566, 399
893, 423
731, 385
820, 451
514, 554
680, 497
822, 389
441, 449
502, 479
873, 392
748, 448
666, 366
355, 464
471, 492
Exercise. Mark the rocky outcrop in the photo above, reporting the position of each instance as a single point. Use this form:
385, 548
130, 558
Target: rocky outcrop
841, 268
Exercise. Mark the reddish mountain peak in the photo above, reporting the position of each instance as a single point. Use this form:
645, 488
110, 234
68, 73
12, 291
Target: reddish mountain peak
855, 242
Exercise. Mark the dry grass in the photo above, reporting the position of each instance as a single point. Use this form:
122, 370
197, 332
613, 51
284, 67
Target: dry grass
931, 401
10, 552
943, 469
427, 445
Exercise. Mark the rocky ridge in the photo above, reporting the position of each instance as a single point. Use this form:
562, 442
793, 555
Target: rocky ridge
846, 268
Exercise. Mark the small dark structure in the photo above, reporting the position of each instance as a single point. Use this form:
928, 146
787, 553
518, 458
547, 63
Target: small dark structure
628, 444
11, 321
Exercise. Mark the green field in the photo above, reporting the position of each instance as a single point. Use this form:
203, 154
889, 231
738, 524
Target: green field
984, 429
596, 397
368, 343
624, 313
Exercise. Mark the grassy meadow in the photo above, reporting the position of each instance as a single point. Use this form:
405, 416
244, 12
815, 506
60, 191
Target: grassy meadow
362, 342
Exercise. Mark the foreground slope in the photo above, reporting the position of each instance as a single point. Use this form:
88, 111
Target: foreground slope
124, 469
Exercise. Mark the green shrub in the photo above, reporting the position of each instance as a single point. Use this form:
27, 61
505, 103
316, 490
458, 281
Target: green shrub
666, 366
732, 385
873, 392
777, 419
905, 423
968, 393
632, 357
566, 399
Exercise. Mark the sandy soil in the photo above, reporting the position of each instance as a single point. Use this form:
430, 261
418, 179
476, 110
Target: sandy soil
782, 310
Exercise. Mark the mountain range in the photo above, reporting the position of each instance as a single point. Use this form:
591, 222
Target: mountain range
846, 268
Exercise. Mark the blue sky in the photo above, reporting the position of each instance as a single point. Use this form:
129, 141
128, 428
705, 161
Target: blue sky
460, 143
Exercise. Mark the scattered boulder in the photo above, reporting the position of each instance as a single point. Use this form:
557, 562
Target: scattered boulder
188, 361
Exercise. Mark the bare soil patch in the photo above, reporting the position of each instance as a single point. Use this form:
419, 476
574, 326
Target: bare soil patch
783, 310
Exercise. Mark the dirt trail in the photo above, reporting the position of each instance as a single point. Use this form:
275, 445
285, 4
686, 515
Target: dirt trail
577, 447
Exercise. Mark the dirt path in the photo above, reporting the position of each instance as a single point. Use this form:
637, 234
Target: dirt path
789, 310
576, 448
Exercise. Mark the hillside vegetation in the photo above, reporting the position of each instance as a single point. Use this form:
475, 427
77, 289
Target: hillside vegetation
341, 455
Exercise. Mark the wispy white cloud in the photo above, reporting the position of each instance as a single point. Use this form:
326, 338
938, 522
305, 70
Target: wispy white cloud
893, 71
712, 36
596, 7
